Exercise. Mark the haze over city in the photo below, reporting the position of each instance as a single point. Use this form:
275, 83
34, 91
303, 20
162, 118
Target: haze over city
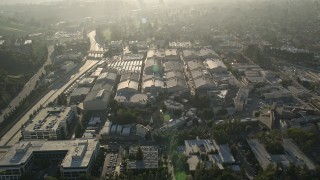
159, 89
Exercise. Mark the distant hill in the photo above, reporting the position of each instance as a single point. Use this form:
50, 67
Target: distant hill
13, 27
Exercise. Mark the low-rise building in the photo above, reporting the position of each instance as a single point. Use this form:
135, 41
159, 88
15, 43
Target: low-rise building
174, 124
153, 86
131, 57
241, 99
96, 73
173, 105
172, 66
195, 65
174, 74
217, 154
243, 67
299, 92
251, 81
128, 87
141, 130
132, 76
274, 92
152, 66
79, 94
173, 85
77, 157
119, 129
113, 129
86, 82
97, 100
200, 73
150, 158
100, 86
189, 54
180, 45
202, 54
157, 54
108, 78
126, 131
134, 100
126, 66
203, 84
50, 123
171, 55
138, 100
292, 154
105, 131
215, 66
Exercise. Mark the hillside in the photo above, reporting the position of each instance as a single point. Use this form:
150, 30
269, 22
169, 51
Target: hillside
17, 67
9, 26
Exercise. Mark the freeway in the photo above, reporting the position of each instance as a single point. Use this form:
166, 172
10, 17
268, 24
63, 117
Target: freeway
13, 136
29, 86
94, 45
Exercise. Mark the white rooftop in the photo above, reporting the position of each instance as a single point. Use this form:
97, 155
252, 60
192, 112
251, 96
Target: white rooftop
48, 119
78, 152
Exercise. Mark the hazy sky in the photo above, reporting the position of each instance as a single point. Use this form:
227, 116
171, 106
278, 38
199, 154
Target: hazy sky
146, 1
24, 1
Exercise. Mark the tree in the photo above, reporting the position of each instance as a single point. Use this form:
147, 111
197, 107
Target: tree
139, 155
305, 139
126, 116
27, 176
200, 101
248, 128
51, 178
210, 123
84, 177
78, 131
207, 114
272, 141
222, 112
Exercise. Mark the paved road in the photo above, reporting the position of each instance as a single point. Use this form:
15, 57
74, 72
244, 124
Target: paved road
12, 136
119, 160
29, 86
94, 45
171, 168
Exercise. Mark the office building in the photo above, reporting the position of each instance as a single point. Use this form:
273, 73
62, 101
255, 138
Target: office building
97, 100
150, 158
77, 157
241, 99
50, 123
217, 154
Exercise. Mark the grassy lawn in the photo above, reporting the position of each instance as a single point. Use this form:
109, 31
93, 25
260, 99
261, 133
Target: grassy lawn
181, 175
167, 117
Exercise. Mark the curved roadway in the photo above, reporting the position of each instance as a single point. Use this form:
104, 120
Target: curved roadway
13, 136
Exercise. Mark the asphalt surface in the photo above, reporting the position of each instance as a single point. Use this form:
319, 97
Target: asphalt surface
94, 45
12, 136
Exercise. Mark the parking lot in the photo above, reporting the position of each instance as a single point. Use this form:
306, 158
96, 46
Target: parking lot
112, 165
